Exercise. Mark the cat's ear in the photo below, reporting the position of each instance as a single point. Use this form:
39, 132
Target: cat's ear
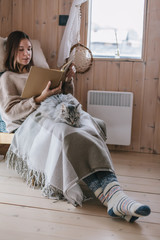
63, 108
71, 102
78, 106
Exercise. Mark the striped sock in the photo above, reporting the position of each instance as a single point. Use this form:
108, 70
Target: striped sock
99, 194
108, 191
121, 205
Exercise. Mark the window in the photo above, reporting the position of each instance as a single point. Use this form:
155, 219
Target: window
116, 28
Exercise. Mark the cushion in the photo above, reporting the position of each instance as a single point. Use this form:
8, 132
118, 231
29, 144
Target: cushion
2, 125
38, 56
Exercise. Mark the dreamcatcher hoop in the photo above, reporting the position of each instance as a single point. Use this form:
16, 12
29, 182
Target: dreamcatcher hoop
81, 57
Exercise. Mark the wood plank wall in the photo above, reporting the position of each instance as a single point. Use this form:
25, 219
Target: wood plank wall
39, 19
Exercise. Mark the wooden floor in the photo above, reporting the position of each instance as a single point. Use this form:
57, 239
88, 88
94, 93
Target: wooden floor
26, 215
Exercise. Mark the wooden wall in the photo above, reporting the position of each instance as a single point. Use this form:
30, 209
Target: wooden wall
39, 19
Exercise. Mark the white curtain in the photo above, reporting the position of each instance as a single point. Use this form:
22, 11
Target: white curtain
71, 34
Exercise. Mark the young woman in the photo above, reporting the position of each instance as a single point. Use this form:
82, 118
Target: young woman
52, 154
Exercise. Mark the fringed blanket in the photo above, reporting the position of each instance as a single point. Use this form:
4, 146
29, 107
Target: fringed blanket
54, 156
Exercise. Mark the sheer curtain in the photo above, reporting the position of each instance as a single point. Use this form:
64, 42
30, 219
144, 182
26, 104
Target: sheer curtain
71, 34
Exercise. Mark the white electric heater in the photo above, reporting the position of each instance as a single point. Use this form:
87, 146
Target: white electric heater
115, 109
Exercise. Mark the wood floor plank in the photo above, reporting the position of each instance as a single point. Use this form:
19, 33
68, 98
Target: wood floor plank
144, 184
26, 235
19, 192
73, 226
88, 208
127, 183
138, 165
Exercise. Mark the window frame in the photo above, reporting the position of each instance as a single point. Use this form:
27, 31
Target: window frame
128, 59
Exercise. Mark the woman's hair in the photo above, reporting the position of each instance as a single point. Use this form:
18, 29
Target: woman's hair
12, 45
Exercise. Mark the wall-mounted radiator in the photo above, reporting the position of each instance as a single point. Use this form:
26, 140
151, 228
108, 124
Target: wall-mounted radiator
115, 109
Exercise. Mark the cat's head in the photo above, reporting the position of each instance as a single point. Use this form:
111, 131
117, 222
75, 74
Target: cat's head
70, 114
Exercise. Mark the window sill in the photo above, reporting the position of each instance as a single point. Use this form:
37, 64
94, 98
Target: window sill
118, 59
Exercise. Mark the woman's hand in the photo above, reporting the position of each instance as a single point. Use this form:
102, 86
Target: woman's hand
70, 73
47, 92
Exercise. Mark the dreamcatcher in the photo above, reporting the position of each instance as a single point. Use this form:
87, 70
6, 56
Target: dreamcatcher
81, 57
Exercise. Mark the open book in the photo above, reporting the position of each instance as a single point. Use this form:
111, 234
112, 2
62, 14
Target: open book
39, 77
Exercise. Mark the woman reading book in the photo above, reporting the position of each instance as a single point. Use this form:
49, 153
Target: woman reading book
51, 154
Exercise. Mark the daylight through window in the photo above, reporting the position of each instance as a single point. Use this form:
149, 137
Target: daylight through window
116, 28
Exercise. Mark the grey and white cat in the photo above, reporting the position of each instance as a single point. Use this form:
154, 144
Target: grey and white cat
61, 108
68, 113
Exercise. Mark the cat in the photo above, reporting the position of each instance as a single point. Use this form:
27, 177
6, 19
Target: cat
61, 108
68, 113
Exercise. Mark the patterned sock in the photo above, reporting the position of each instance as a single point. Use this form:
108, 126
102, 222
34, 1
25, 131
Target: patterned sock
121, 205
110, 198
99, 194
95, 186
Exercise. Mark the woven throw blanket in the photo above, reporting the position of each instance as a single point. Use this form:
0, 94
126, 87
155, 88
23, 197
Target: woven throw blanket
55, 156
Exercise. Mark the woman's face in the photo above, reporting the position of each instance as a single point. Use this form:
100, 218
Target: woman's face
24, 53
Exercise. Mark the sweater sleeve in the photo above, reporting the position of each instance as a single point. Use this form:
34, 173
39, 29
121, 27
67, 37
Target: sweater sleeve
11, 103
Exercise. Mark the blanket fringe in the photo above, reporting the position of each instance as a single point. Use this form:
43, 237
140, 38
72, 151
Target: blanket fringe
33, 178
